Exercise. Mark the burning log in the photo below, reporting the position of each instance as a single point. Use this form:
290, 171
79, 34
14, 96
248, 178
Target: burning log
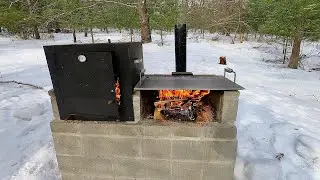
182, 105
117, 88
158, 115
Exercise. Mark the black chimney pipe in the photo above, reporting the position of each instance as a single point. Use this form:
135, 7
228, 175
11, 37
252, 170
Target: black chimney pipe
180, 34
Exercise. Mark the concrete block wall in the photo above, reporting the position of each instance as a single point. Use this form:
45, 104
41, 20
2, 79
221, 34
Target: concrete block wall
147, 150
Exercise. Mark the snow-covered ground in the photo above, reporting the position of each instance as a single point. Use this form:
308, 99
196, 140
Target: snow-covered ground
279, 112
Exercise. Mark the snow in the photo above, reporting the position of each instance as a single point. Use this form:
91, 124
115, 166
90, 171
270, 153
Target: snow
279, 112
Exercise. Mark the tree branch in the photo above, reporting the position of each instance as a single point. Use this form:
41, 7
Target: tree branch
13, 3
116, 2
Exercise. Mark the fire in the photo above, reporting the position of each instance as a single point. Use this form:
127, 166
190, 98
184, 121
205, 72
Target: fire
117, 87
182, 94
183, 105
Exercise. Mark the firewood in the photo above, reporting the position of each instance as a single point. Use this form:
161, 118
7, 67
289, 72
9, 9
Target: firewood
223, 60
158, 116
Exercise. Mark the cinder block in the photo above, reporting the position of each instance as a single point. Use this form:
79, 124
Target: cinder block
218, 171
105, 128
110, 147
136, 106
70, 164
157, 131
220, 131
97, 166
129, 168
80, 177
229, 110
186, 170
157, 169
189, 149
61, 126
231, 95
54, 105
67, 144
156, 148
185, 131
222, 150
128, 178
85, 166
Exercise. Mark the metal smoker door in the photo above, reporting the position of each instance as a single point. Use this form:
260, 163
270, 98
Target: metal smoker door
86, 86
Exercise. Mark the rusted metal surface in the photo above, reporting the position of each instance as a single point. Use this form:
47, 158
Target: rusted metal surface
191, 82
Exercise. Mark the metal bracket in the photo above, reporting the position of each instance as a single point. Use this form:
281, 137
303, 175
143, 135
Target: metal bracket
229, 70
141, 75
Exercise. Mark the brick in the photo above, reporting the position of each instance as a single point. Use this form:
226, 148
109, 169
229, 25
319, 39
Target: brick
67, 144
186, 170
231, 95
220, 131
97, 166
105, 128
229, 110
218, 171
185, 131
61, 126
136, 106
110, 147
229, 106
158, 131
156, 148
85, 166
128, 178
157, 169
129, 168
70, 164
80, 177
222, 150
54, 104
189, 149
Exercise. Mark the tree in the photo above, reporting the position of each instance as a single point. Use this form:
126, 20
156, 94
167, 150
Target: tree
299, 19
144, 21
163, 15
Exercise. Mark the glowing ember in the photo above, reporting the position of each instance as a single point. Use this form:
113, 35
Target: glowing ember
117, 87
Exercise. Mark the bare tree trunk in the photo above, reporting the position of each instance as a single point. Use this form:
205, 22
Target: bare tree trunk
131, 34
107, 30
161, 35
24, 34
74, 36
0, 30
144, 21
36, 32
295, 55
85, 32
285, 42
91, 32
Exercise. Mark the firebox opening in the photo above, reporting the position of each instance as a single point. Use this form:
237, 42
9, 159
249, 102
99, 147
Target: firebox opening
181, 105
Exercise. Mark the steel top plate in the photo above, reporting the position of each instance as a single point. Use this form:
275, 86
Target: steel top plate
194, 82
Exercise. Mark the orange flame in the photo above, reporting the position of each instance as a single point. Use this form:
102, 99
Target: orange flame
117, 87
182, 94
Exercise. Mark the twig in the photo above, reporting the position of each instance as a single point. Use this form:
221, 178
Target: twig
13, 3
315, 97
21, 83
115, 2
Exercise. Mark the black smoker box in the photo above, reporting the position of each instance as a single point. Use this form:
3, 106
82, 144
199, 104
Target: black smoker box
84, 78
